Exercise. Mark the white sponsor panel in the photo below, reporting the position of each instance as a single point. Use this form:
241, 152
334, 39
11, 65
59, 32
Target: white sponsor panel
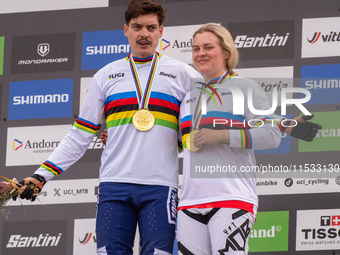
85, 240
84, 86
318, 230
270, 78
285, 186
43, 5
176, 42
65, 192
266, 72
33, 145
320, 37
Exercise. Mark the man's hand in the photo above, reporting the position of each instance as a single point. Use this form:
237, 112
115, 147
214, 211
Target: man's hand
34, 185
304, 129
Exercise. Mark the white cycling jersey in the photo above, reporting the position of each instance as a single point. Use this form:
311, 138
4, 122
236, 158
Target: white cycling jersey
131, 156
208, 173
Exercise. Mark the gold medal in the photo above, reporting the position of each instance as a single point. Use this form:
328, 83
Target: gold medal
143, 120
190, 141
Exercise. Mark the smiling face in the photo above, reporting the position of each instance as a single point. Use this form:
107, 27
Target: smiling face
143, 33
209, 58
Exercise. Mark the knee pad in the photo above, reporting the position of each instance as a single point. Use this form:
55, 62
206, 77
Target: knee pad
160, 244
160, 252
101, 251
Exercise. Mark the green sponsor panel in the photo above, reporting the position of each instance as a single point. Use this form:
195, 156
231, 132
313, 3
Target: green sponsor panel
270, 232
328, 138
2, 52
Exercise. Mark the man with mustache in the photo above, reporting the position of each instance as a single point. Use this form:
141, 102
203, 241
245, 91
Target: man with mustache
139, 166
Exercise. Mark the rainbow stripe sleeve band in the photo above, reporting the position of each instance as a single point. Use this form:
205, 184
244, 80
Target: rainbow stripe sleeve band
246, 140
54, 169
86, 126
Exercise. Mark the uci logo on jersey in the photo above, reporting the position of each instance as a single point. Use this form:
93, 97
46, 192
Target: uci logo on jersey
112, 76
191, 100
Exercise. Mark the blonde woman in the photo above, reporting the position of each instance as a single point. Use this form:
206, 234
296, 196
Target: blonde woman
218, 203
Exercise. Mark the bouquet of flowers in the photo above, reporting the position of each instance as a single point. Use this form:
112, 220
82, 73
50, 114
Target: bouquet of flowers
11, 189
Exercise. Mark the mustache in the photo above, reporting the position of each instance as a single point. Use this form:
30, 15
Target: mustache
144, 41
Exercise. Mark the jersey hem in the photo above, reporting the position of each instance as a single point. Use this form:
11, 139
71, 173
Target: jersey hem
139, 182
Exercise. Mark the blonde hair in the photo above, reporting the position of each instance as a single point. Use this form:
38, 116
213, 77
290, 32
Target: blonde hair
226, 42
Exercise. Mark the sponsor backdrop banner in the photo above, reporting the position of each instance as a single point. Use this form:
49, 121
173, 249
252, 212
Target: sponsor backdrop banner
40, 99
34, 237
328, 138
32, 145
43, 53
84, 86
281, 186
264, 39
323, 82
318, 230
0, 94
320, 37
2, 52
102, 47
86, 190
66, 192
270, 79
84, 237
41, 5
46, 69
270, 232
176, 42
285, 145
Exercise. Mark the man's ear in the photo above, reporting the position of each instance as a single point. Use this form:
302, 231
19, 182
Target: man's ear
126, 27
161, 30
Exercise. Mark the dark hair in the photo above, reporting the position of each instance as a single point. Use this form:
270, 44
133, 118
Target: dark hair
143, 7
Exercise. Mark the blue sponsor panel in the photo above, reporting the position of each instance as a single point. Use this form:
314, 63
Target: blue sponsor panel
40, 99
102, 47
285, 145
323, 82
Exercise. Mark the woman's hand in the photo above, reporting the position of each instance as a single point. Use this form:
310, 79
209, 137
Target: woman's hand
103, 137
211, 136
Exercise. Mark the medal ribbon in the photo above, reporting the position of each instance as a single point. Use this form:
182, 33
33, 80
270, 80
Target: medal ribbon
198, 114
143, 98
